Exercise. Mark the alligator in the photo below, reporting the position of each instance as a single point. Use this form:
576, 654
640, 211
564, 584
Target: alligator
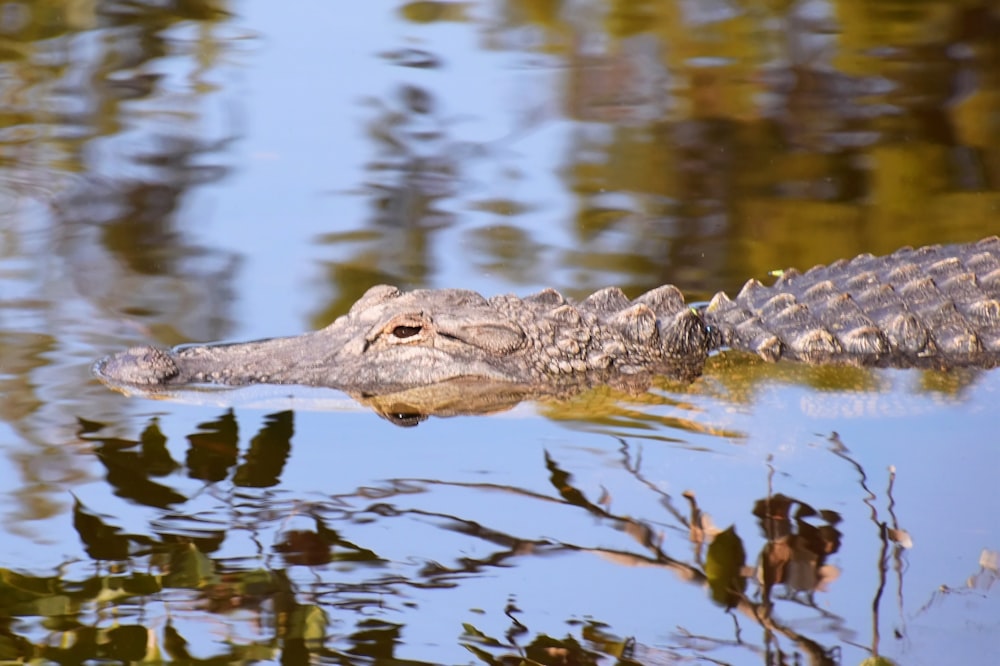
932, 307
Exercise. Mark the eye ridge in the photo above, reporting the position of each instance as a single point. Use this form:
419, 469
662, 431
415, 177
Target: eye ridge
406, 331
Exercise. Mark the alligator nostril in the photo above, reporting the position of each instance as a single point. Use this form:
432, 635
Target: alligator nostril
144, 366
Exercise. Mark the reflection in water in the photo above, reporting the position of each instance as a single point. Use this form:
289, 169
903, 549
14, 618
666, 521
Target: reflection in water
796, 552
697, 143
679, 399
127, 258
101, 108
102, 137
701, 144
311, 568
418, 169
412, 174
857, 126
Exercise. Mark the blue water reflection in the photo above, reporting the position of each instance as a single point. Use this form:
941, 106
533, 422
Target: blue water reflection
201, 171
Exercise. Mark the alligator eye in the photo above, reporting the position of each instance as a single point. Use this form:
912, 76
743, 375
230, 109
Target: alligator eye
406, 331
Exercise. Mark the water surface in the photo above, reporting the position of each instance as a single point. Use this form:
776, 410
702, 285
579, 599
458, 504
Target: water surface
199, 171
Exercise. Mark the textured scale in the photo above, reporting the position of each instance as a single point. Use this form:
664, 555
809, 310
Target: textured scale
606, 331
937, 305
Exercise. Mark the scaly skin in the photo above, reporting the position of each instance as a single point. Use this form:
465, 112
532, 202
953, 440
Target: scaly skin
937, 306
934, 306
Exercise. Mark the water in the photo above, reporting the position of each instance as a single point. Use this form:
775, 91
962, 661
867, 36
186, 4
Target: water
216, 171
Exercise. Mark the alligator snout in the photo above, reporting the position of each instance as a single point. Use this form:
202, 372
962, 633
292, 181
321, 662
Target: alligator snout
138, 366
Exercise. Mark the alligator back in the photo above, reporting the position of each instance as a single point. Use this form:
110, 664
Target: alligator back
933, 306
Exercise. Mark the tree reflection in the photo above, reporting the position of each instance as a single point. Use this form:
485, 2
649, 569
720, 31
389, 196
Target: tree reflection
107, 113
702, 144
129, 471
416, 170
129, 258
695, 133
101, 141
797, 551
707, 142
299, 612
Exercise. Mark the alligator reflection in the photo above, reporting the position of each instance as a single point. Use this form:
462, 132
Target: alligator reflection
181, 561
621, 407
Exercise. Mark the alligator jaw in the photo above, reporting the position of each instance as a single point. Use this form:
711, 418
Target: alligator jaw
137, 366
387, 342
304, 360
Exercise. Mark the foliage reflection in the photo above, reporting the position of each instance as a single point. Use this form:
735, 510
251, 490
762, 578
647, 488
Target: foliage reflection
307, 574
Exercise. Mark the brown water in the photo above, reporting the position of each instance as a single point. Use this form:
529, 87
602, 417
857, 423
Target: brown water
175, 172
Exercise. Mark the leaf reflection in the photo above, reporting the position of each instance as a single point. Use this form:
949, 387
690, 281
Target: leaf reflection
190, 557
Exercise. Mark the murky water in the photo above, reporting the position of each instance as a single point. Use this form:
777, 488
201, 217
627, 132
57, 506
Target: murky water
204, 170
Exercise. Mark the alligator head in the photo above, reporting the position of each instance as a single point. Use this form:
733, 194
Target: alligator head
388, 341
391, 341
